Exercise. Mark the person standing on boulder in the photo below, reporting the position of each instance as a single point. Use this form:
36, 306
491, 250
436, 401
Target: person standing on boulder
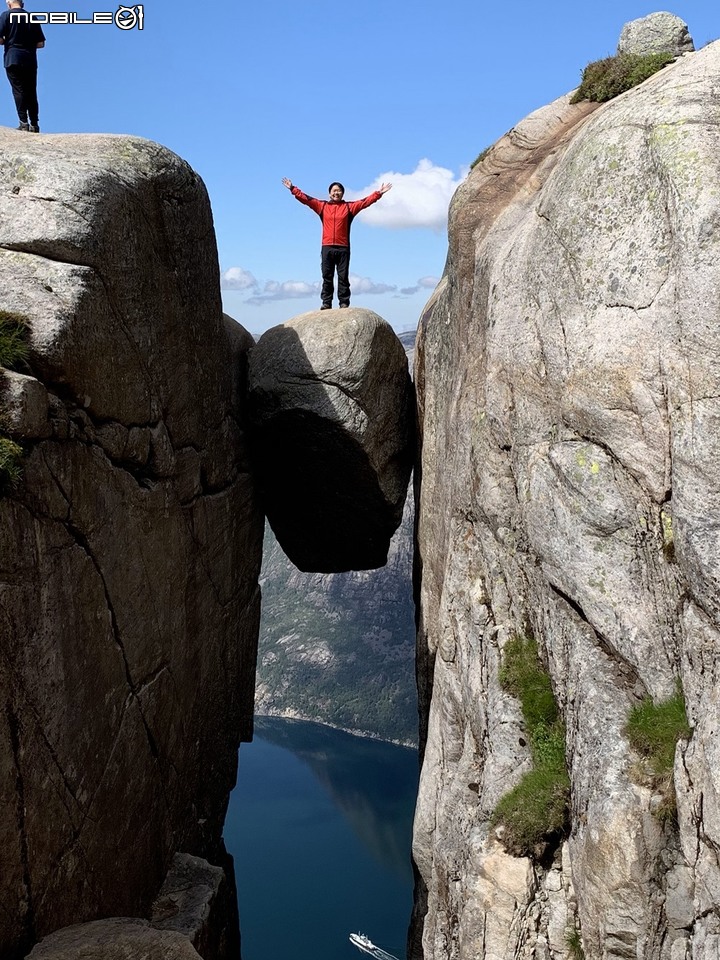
22, 40
336, 215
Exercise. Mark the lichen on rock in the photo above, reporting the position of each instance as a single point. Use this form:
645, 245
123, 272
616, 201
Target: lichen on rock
567, 381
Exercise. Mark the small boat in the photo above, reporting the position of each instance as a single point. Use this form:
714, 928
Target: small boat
362, 942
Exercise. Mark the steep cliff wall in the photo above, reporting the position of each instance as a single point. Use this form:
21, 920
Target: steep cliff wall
129, 551
568, 382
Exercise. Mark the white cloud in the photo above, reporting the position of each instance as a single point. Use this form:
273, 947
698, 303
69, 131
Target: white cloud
417, 199
424, 283
285, 290
294, 289
289, 289
235, 278
366, 285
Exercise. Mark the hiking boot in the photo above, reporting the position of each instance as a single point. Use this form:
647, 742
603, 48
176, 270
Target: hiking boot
344, 306
326, 306
24, 126
34, 128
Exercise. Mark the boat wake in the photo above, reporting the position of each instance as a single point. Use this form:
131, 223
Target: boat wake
367, 946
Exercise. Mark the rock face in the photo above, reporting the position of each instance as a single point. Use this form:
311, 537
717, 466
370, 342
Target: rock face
568, 382
196, 900
333, 437
120, 938
656, 33
130, 551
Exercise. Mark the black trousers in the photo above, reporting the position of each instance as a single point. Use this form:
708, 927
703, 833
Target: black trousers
23, 80
331, 258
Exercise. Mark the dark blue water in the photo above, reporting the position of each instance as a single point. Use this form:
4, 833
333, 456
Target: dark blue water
320, 828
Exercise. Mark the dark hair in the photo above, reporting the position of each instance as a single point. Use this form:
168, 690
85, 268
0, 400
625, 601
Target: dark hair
336, 183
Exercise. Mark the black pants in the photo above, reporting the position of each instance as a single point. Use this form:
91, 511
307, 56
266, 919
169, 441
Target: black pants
23, 81
330, 258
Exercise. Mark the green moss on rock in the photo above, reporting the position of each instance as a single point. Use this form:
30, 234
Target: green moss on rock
536, 810
654, 730
13, 352
13, 339
10, 463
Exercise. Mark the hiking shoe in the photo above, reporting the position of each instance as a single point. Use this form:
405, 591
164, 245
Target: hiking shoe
34, 128
326, 306
24, 126
344, 306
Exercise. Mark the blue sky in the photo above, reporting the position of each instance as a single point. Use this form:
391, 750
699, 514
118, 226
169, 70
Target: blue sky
249, 93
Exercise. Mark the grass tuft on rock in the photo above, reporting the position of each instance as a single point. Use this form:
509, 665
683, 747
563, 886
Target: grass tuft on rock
13, 352
573, 942
536, 810
604, 79
480, 157
10, 463
654, 729
13, 339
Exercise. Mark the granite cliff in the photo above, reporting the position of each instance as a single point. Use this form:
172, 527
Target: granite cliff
131, 537
130, 549
568, 381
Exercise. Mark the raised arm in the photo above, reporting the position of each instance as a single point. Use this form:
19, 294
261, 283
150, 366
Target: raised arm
357, 205
316, 205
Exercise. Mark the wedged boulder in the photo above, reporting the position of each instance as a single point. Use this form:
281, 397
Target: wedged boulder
656, 33
331, 401
130, 550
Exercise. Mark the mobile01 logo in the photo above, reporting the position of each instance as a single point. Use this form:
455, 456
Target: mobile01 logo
124, 18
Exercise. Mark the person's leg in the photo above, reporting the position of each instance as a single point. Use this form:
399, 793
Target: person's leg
31, 100
15, 76
343, 269
327, 265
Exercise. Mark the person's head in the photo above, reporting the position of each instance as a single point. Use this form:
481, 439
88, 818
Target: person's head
336, 190
15, 3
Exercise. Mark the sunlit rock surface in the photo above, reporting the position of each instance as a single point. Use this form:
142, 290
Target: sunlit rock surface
333, 436
568, 376
656, 33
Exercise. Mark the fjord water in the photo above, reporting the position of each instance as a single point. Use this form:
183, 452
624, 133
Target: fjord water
320, 828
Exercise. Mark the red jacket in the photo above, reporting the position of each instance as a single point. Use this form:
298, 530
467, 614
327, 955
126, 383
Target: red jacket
336, 216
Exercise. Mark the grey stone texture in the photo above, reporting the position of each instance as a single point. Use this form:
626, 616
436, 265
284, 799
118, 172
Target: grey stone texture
197, 901
568, 382
333, 438
130, 551
656, 33
118, 938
